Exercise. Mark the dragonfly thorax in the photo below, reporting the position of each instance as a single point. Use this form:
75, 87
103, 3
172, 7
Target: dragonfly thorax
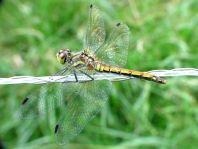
76, 59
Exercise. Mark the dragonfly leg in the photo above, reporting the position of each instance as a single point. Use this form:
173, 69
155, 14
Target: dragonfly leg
62, 71
87, 75
74, 71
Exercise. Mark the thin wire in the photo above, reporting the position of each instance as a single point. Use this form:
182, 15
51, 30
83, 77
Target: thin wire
99, 76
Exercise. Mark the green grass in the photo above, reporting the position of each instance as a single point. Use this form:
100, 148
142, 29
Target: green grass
139, 114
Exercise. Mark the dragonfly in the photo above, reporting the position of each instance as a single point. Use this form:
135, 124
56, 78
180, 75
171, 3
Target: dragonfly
81, 101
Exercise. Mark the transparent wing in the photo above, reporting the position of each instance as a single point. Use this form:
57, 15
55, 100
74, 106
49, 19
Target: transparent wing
41, 101
84, 101
95, 34
115, 50
77, 104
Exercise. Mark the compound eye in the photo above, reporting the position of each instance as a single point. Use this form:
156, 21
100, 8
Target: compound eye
61, 57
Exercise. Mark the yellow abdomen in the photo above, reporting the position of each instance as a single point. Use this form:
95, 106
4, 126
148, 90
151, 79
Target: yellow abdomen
138, 74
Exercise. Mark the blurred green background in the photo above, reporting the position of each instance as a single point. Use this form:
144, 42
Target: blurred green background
139, 114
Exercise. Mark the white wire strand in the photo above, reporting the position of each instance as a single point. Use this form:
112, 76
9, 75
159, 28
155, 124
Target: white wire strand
99, 76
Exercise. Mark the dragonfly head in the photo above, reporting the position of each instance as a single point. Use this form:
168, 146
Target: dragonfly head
63, 56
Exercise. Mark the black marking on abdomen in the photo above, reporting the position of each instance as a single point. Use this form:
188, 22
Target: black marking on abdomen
56, 128
126, 74
106, 67
25, 100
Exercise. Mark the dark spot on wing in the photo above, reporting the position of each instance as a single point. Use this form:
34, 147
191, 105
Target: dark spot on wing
2, 145
25, 100
56, 128
118, 24
91, 6
1, 2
